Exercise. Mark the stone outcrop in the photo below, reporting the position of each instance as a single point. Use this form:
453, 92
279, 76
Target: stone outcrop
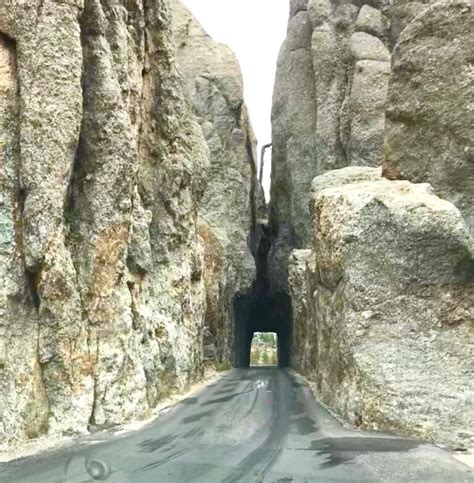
233, 200
304, 328
328, 112
294, 150
382, 281
383, 309
430, 111
103, 169
331, 106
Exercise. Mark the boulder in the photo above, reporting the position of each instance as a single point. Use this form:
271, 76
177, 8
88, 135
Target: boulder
371, 21
388, 296
367, 47
366, 113
343, 176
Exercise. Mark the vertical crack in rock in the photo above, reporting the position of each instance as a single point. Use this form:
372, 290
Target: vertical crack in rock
33, 281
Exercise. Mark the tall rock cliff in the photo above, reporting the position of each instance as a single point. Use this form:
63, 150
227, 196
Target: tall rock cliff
430, 106
382, 289
233, 199
330, 100
328, 109
103, 169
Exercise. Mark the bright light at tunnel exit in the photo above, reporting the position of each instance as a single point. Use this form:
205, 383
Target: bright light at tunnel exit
264, 349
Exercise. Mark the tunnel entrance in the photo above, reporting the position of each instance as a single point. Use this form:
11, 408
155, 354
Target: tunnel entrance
265, 313
263, 349
261, 309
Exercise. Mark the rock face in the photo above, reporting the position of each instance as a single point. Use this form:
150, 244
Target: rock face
382, 281
103, 167
228, 211
294, 151
304, 328
430, 115
328, 112
385, 297
330, 104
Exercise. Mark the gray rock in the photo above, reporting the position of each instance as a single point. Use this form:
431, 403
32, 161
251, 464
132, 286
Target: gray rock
371, 21
402, 13
386, 296
429, 135
366, 113
333, 23
328, 113
297, 6
227, 210
23, 400
103, 168
343, 176
294, 150
304, 333
367, 47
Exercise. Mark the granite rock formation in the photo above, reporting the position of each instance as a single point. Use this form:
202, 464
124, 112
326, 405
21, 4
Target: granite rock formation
430, 107
333, 107
382, 307
328, 111
103, 170
382, 278
233, 199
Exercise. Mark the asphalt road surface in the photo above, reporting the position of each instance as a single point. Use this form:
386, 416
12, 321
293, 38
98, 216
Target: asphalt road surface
252, 425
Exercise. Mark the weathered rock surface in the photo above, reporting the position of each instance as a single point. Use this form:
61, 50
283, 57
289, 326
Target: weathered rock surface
103, 167
230, 205
328, 112
383, 290
372, 21
430, 111
304, 330
343, 176
402, 13
294, 160
367, 47
330, 104
383, 308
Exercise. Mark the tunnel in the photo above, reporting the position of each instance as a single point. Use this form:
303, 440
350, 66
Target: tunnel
261, 310
269, 313
264, 313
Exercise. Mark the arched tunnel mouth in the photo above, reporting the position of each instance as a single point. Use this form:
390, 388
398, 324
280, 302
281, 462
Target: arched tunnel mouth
255, 312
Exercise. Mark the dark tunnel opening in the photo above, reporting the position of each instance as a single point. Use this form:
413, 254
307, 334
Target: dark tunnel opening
271, 313
262, 311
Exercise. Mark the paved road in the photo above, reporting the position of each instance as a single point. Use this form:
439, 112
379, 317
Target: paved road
252, 425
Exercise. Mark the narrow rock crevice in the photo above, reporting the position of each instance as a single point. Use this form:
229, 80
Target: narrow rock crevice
33, 279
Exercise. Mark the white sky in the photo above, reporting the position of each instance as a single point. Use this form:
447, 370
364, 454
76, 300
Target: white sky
254, 30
